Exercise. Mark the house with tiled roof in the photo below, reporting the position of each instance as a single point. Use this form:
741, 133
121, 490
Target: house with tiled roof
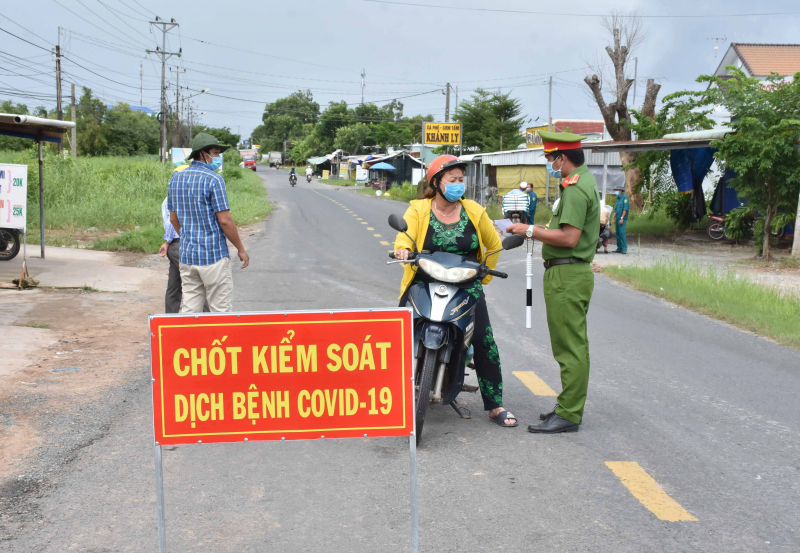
761, 60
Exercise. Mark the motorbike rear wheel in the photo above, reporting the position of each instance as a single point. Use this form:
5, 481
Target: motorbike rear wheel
9, 244
424, 394
716, 230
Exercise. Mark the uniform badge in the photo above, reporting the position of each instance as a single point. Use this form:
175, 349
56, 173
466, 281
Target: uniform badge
571, 180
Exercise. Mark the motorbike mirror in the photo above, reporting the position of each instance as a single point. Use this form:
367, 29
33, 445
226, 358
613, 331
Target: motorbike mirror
398, 223
513, 241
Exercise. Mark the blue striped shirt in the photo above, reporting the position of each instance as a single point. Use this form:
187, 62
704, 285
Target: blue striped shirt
196, 195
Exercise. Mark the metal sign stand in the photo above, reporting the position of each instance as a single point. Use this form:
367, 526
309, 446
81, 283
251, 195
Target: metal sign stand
529, 277
162, 520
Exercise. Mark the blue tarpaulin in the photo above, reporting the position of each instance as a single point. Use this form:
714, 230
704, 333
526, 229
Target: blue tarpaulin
689, 167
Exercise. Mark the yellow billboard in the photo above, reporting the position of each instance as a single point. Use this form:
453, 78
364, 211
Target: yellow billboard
442, 134
532, 138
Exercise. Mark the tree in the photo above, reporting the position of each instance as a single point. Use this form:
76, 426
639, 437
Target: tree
288, 118
674, 116
627, 34
335, 116
489, 120
92, 134
352, 137
763, 149
388, 134
223, 134
130, 132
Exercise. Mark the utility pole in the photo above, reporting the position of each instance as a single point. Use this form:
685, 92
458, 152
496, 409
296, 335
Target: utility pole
447, 113
550, 104
447, 105
141, 86
74, 138
363, 75
59, 112
462, 130
635, 74
177, 134
164, 27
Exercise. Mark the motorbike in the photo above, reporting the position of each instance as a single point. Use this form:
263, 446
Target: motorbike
308, 178
444, 321
516, 216
292, 179
9, 243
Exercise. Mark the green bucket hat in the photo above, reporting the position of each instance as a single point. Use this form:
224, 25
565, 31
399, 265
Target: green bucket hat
203, 141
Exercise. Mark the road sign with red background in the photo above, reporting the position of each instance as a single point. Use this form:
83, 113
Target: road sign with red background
273, 376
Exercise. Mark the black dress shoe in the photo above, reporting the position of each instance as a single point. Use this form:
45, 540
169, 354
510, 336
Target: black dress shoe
543, 416
553, 425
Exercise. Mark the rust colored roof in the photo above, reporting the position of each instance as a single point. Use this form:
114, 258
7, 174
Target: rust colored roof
579, 126
763, 59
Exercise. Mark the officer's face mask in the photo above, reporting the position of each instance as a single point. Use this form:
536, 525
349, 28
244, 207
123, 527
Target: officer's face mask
616, 193
553, 172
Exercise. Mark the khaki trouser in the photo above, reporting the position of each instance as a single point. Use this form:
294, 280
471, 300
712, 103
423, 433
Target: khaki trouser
207, 282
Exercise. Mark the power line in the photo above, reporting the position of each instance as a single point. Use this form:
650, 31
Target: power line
135, 10
107, 23
23, 40
103, 76
498, 10
90, 23
21, 27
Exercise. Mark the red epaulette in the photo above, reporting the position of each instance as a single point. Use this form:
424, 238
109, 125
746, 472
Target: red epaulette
570, 180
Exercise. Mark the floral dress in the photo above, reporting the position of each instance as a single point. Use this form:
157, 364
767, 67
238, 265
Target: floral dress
461, 238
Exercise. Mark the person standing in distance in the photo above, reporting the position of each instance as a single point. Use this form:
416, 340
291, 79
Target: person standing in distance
621, 209
532, 207
568, 248
198, 209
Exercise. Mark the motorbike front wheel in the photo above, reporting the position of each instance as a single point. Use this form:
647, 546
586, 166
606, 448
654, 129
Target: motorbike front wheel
424, 395
9, 244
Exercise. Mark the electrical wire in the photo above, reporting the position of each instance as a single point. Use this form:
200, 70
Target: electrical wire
557, 14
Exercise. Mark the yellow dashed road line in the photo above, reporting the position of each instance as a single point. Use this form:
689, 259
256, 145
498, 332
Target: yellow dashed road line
377, 236
648, 492
370, 228
534, 383
363, 222
385, 243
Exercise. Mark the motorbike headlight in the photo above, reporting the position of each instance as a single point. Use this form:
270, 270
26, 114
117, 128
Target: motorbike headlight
437, 271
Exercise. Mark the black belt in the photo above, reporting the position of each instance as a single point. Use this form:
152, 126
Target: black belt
562, 261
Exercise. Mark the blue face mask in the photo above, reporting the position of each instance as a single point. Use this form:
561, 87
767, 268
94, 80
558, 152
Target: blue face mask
216, 163
616, 193
553, 173
453, 191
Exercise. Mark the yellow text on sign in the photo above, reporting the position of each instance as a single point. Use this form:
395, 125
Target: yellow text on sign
443, 134
648, 492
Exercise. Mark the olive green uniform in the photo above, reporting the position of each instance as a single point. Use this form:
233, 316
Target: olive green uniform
568, 289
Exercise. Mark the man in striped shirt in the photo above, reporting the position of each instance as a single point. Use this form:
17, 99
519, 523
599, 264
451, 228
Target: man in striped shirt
198, 209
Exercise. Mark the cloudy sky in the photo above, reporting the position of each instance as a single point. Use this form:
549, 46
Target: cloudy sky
256, 52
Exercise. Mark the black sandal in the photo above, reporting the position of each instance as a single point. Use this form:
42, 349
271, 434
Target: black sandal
502, 416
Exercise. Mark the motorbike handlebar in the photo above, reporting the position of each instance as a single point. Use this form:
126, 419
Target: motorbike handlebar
411, 256
498, 274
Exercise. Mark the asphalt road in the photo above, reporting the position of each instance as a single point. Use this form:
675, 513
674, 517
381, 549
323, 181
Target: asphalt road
702, 417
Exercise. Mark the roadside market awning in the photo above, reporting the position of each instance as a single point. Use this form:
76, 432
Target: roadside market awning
382, 166
40, 130
675, 141
317, 160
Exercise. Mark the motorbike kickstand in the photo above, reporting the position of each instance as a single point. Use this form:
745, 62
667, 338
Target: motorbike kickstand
463, 413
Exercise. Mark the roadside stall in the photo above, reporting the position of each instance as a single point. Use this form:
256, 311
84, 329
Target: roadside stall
381, 168
38, 129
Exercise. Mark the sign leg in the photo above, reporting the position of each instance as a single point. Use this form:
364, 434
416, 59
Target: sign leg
412, 473
162, 521
529, 291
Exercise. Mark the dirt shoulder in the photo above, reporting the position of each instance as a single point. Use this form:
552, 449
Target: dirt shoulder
74, 354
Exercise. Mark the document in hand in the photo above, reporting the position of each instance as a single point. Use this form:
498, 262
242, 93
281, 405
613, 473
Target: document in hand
502, 225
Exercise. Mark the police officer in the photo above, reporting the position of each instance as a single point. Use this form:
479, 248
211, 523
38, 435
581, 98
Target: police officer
621, 209
569, 243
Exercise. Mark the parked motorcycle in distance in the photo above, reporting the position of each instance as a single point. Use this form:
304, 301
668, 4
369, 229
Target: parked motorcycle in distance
444, 320
9, 243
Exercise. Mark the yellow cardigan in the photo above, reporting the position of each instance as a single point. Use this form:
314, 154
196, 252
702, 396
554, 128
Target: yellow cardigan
418, 219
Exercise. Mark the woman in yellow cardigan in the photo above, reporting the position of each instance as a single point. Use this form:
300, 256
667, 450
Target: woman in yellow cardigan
442, 221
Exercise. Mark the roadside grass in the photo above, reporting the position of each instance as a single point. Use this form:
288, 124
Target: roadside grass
721, 295
652, 222
117, 195
404, 193
337, 182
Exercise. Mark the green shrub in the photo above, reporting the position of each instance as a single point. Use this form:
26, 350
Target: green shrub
739, 224
679, 208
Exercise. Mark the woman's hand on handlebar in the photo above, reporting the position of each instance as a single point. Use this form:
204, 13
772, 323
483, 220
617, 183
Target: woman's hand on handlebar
402, 253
